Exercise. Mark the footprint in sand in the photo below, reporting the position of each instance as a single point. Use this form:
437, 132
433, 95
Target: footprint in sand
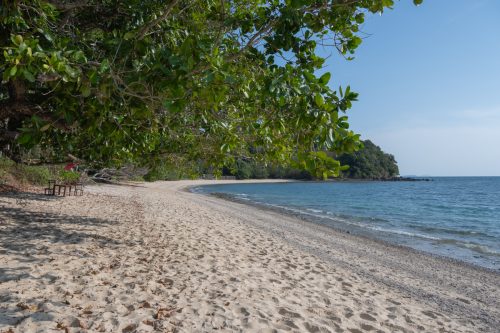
366, 316
430, 314
287, 313
312, 328
393, 302
290, 323
346, 284
354, 330
366, 327
244, 312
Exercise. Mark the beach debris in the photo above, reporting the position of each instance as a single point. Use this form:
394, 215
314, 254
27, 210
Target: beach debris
82, 324
87, 311
166, 282
148, 322
162, 313
61, 326
145, 305
129, 328
23, 306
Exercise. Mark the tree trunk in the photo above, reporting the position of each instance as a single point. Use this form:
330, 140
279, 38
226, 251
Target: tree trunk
16, 107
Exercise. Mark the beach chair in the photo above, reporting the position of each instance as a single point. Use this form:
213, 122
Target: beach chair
63, 189
50, 190
78, 189
60, 188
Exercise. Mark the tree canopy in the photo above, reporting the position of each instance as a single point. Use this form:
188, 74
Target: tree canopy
370, 162
203, 80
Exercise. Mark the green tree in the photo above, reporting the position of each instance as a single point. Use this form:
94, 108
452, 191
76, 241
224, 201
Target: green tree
370, 162
243, 170
140, 80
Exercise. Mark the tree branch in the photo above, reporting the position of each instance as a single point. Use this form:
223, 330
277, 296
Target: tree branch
142, 33
63, 6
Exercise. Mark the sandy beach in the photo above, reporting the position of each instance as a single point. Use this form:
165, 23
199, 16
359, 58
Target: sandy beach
156, 258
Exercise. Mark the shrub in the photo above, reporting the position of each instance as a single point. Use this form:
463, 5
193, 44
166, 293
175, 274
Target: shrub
244, 170
70, 177
37, 175
137, 178
5, 168
259, 171
162, 172
6, 164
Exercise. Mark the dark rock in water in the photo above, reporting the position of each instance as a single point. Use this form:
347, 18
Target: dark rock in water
224, 196
408, 179
390, 179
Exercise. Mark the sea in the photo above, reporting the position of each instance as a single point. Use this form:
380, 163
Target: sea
455, 217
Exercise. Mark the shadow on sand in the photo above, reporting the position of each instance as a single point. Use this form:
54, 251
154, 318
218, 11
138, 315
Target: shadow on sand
24, 232
25, 237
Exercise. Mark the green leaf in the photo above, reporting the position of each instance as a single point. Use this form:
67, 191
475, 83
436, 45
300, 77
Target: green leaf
85, 90
360, 18
44, 128
129, 35
418, 2
22, 47
325, 78
331, 136
79, 56
13, 71
309, 77
24, 138
17, 39
28, 76
319, 100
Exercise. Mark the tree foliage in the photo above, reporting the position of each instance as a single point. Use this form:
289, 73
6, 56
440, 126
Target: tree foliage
370, 162
143, 80
255, 170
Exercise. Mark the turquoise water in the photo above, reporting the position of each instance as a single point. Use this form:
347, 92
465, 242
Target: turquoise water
457, 217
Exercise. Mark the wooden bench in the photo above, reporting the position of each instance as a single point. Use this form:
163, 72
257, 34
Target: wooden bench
59, 189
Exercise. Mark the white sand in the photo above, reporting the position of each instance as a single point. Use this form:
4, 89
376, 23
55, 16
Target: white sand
153, 258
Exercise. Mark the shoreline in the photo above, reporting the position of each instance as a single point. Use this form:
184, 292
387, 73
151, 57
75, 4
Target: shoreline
318, 221
454, 267
152, 256
426, 261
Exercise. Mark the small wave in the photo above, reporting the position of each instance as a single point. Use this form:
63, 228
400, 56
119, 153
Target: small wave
278, 206
242, 196
483, 249
453, 231
196, 189
405, 233
356, 218
314, 210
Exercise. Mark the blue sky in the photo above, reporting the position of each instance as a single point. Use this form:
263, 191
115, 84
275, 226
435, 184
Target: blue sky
429, 85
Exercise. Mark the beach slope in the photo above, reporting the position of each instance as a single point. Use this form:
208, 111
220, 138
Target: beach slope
154, 257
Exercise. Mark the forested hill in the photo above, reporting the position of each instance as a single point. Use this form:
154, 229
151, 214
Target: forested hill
369, 163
